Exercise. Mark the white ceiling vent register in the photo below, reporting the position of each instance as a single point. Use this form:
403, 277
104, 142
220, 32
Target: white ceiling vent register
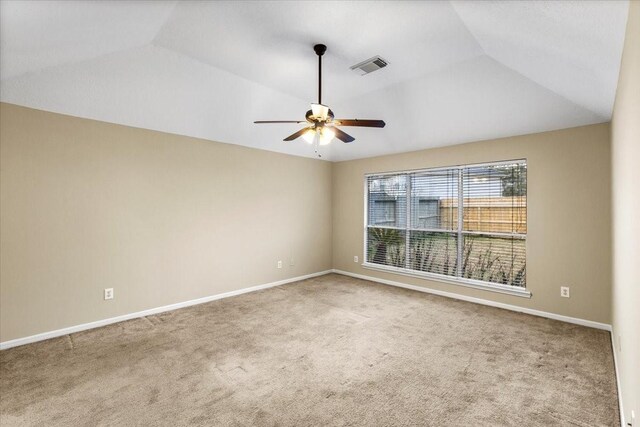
370, 65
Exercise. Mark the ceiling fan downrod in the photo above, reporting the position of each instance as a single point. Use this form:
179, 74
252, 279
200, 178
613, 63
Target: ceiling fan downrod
320, 49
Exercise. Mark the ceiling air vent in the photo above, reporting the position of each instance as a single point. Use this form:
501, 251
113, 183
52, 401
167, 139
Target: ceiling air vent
370, 65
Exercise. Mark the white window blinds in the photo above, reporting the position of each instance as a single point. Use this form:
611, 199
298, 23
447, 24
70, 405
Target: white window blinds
414, 222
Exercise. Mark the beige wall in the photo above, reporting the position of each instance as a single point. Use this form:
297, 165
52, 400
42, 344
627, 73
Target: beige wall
569, 236
161, 218
625, 147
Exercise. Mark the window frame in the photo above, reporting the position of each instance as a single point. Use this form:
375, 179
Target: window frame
459, 232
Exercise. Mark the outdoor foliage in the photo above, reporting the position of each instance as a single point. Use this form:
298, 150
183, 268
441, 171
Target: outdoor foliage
386, 246
434, 252
514, 181
495, 260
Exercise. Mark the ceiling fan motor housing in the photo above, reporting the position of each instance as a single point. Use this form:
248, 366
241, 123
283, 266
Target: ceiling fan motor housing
313, 119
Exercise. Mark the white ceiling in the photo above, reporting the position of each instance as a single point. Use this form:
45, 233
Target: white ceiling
459, 71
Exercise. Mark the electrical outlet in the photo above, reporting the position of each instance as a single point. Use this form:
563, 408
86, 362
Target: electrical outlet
108, 293
279, 264
355, 258
564, 291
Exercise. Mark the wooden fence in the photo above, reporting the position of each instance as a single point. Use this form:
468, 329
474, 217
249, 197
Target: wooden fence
490, 214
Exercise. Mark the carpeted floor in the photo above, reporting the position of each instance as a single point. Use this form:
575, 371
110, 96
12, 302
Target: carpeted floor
329, 351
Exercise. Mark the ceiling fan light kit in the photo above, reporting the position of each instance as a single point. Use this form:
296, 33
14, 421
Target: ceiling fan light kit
323, 128
321, 136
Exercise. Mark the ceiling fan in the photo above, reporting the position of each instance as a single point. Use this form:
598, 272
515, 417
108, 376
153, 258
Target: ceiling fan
322, 126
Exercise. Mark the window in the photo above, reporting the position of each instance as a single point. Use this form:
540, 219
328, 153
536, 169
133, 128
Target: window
385, 212
463, 223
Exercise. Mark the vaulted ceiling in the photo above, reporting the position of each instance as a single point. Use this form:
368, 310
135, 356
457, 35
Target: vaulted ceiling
458, 71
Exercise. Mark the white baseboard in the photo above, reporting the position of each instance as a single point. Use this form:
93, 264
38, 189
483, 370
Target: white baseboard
615, 365
539, 313
91, 325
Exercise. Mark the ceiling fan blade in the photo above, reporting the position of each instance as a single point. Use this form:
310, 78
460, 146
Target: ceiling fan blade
361, 123
296, 135
279, 121
342, 136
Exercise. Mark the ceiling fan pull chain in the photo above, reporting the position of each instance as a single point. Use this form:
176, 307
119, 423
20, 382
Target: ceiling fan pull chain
316, 145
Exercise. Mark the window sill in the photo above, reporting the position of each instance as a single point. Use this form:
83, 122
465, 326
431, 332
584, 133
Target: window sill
469, 283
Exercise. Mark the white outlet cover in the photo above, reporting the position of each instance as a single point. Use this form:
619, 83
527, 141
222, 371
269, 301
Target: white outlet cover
108, 293
279, 264
355, 259
564, 291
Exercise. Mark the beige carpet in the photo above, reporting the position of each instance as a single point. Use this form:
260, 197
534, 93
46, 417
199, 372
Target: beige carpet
330, 351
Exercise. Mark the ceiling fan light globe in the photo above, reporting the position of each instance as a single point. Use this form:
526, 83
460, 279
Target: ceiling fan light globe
309, 136
326, 136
